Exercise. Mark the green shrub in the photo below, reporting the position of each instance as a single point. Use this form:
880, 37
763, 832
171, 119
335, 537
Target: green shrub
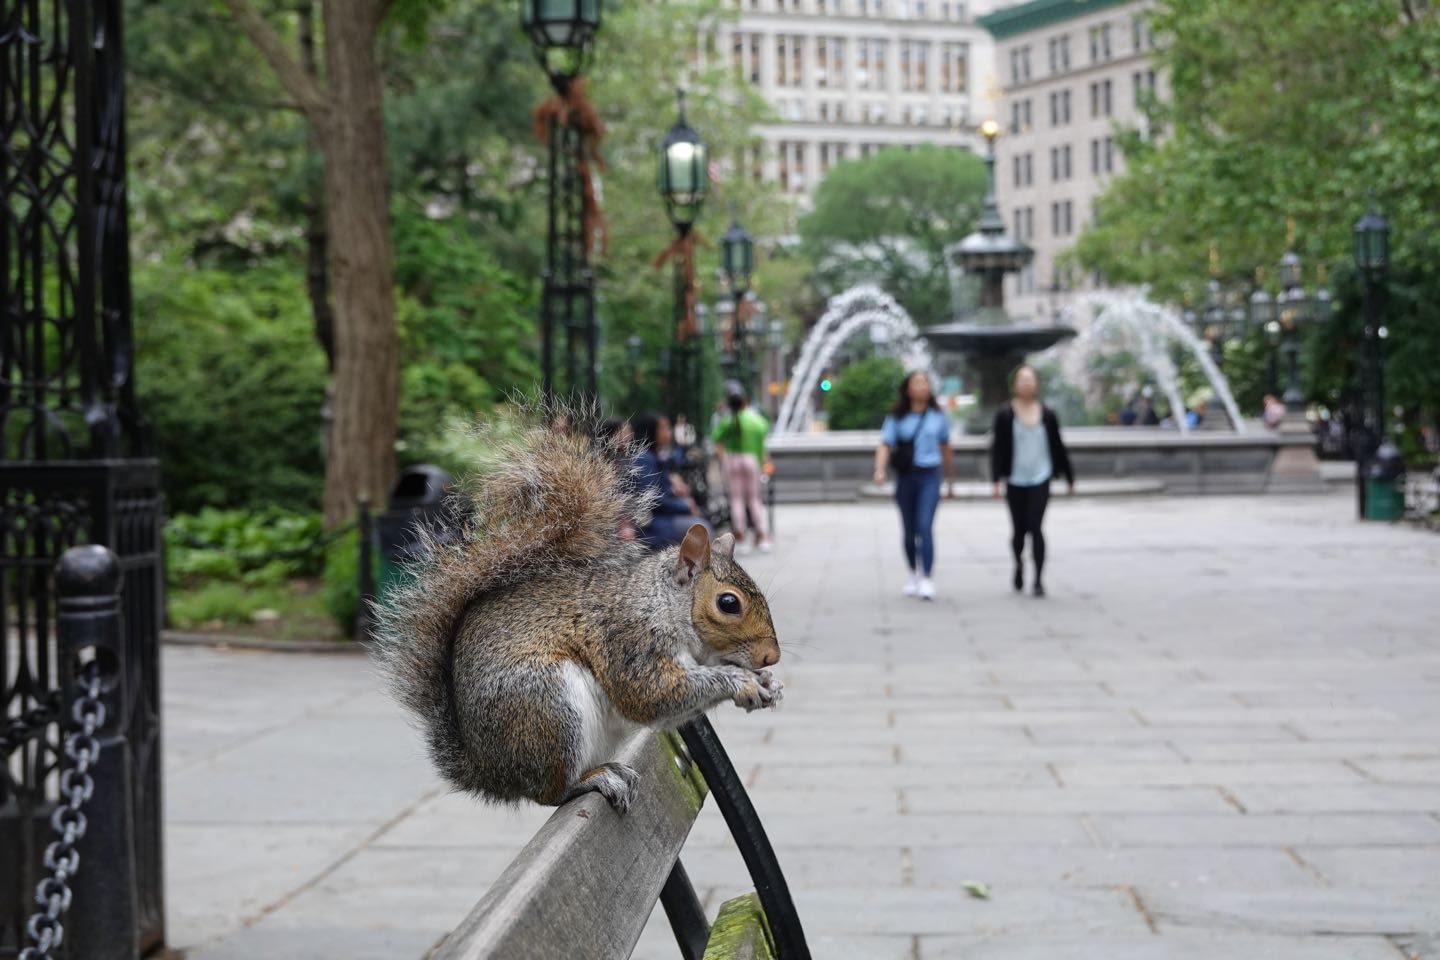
254, 547
863, 393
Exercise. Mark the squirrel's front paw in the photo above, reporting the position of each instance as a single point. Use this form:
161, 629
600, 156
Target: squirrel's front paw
760, 690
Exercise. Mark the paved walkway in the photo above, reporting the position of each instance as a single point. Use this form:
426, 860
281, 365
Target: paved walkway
1218, 737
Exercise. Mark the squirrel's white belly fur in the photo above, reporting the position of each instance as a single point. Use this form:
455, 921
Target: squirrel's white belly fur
602, 728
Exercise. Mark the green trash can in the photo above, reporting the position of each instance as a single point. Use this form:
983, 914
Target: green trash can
417, 501
1385, 484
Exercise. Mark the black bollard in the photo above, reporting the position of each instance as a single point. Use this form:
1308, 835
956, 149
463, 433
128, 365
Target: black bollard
102, 921
366, 536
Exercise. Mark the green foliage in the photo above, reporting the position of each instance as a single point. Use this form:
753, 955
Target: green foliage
231, 378
864, 392
888, 218
1289, 109
251, 547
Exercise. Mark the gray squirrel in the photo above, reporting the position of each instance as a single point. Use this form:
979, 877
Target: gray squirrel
530, 646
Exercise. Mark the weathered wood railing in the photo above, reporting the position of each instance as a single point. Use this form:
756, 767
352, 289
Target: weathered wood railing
585, 885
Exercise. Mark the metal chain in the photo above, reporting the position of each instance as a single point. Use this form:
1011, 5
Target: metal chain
31, 723
82, 748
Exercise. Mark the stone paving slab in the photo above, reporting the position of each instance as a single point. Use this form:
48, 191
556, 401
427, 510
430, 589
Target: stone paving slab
1211, 740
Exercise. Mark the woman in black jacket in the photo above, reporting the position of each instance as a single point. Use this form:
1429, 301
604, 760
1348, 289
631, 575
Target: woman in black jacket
1025, 452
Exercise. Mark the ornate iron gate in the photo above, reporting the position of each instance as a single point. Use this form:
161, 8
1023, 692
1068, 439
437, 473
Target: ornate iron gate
74, 452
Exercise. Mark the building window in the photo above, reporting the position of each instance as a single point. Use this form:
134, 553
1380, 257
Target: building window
870, 64
1102, 101
784, 166
1142, 36
1109, 154
1100, 49
1065, 106
914, 63
1054, 109
1015, 171
1059, 53
1020, 64
737, 54
920, 8
782, 62
798, 178
1054, 164
755, 59
1062, 218
822, 62
1094, 156
1030, 173
954, 67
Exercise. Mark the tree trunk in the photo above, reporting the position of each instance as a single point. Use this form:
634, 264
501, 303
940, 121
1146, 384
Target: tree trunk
360, 460
317, 240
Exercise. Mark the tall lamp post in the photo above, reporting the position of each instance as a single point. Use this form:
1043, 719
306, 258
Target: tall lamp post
561, 32
1372, 257
683, 179
737, 259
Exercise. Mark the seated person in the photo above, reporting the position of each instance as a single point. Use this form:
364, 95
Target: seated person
674, 513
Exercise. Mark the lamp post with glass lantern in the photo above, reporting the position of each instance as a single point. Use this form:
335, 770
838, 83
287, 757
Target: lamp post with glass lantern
1372, 257
561, 32
683, 180
737, 260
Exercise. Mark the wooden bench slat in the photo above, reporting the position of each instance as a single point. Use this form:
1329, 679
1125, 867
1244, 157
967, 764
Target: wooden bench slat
585, 885
740, 932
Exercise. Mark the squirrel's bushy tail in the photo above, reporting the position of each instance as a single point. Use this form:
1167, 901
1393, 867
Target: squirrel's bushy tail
538, 499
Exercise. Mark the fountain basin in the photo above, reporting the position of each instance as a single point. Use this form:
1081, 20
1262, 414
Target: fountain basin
990, 352
837, 466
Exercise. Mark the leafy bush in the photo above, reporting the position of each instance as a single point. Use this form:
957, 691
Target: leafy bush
249, 547
863, 392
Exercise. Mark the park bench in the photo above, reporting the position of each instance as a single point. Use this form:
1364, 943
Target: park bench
585, 885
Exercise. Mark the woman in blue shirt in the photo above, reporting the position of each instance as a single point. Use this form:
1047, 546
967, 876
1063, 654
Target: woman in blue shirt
915, 440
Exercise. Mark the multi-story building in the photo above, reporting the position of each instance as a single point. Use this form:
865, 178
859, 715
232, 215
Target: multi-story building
1072, 73
850, 77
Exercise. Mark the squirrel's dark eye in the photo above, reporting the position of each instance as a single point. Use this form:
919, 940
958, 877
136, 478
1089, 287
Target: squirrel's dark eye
728, 603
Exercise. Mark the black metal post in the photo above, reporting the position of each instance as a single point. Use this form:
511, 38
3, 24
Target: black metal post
686, 915
682, 361
734, 804
567, 300
103, 920
1294, 397
75, 451
365, 534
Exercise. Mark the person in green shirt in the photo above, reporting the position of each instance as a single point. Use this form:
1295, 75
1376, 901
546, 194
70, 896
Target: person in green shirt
740, 441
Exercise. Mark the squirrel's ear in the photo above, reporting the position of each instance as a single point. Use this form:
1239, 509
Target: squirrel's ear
724, 545
694, 554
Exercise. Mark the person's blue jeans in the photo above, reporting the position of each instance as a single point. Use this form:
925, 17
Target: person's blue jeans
918, 495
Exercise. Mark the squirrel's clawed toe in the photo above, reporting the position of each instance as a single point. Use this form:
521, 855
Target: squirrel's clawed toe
760, 689
613, 781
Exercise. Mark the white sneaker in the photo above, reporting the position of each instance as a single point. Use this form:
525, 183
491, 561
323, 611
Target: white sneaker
765, 547
912, 586
927, 588
742, 549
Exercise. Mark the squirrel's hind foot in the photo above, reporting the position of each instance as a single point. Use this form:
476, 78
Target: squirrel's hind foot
613, 781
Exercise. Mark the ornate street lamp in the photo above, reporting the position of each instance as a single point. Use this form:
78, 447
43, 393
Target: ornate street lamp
737, 257
683, 179
682, 175
737, 260
1372, 257
561, 32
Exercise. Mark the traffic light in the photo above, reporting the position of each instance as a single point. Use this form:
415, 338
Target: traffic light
826, 384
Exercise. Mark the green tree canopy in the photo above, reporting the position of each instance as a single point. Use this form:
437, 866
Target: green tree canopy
888, 218
1280, 113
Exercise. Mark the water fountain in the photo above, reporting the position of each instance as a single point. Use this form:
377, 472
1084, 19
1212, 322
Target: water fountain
990, 343
865, 306
1149, 330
